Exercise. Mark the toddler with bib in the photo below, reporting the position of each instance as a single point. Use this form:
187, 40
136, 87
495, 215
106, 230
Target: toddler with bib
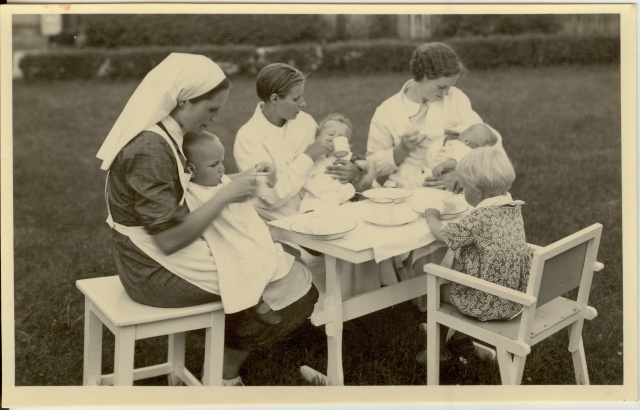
248, 262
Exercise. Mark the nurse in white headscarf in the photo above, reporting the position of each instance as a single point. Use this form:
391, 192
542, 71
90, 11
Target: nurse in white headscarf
160, 255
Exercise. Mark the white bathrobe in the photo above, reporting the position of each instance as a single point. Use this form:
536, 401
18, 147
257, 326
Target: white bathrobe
258, 140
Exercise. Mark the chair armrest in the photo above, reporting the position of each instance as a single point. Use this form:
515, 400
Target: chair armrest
534, 247
480, 284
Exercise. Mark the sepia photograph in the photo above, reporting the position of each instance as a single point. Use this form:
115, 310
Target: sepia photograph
318, 204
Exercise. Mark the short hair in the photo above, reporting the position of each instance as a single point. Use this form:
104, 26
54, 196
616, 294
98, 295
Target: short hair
225, 84
277, 78
435, 60
192, 140
488, 169
338, 118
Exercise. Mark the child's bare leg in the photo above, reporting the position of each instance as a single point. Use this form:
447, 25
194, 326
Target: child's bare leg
445, 296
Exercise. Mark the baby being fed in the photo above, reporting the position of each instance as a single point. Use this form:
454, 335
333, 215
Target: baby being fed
444, 153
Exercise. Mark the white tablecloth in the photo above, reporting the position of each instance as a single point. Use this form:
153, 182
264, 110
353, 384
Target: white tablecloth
388, 243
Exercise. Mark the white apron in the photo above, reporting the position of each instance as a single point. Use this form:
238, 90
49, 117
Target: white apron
193, 263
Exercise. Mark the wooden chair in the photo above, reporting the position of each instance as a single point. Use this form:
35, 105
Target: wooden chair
106, 302
555, 270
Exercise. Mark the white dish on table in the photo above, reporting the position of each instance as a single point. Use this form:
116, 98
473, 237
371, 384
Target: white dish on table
401, 219
324, 229
451, 215
397, 194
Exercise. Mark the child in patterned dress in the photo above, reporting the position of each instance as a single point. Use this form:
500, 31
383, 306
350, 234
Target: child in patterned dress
491, 239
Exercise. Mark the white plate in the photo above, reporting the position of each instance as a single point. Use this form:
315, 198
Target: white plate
324, 229
421, 210
398, 220
397, 194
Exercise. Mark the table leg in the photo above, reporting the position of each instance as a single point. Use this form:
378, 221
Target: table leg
333, 329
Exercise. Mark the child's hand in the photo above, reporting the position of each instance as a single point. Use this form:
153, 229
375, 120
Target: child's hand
432, 213
239, 189
437, 170
318, 148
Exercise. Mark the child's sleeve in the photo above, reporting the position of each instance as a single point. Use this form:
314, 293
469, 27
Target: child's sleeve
455, 150
463, 233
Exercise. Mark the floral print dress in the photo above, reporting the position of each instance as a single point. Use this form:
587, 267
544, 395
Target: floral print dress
492, 247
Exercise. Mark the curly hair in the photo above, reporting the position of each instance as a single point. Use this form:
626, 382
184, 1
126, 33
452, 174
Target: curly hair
435, 60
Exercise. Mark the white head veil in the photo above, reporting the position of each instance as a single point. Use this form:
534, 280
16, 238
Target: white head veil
178, 77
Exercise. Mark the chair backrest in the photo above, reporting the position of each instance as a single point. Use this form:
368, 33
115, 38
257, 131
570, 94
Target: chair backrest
565, 265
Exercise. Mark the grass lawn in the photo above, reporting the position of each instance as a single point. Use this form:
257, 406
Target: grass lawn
561, 128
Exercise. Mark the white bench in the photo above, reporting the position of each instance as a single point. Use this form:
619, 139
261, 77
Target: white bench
106, 302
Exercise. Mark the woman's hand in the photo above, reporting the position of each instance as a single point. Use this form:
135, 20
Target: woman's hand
270, 168
318, 148
409, 142
448, 181
343, 170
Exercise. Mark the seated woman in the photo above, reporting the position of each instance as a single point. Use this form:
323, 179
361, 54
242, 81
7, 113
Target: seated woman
281, 133
160, 253
404, 125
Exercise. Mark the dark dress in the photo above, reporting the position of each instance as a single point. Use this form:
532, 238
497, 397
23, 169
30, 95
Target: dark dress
144, 190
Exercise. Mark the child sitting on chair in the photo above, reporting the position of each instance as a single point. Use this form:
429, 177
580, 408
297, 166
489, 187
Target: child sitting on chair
321, 190
491, 239
444, 153
248, 259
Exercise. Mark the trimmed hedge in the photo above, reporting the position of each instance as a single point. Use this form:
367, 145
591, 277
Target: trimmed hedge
358, 57
179, 30
535, 50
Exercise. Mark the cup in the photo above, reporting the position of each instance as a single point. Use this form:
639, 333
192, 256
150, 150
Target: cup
383, 210
263, 190
340, 146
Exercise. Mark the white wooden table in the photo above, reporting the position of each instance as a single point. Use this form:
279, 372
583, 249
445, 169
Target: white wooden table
354, 248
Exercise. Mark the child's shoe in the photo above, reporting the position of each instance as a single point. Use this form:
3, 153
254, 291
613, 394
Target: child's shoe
236, 381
